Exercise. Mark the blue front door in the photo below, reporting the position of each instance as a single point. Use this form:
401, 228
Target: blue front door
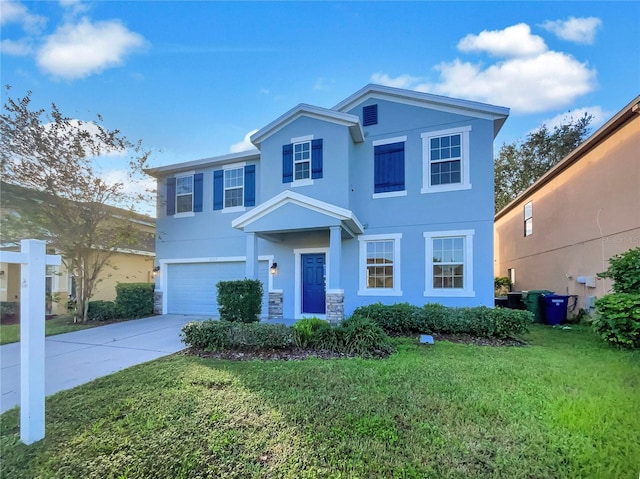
313, 273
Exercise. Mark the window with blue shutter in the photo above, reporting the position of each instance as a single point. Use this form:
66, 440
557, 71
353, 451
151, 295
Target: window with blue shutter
389, 167
370, 115
197, 192
171, 196
316, 158
287, 163
250, 185
218, 189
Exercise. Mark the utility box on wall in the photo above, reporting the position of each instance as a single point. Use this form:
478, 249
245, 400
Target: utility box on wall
588, 281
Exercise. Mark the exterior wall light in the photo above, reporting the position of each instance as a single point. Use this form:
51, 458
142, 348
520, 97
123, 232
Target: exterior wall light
156, 271
274, 268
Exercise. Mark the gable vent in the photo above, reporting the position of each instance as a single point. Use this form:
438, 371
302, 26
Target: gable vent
370, 115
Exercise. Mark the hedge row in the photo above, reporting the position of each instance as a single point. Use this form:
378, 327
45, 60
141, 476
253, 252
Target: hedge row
133, 300
404, 318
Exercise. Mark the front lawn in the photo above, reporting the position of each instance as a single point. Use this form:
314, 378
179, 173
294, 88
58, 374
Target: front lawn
564, 407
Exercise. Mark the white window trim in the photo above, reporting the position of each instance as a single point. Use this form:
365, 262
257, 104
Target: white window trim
467, 291
465, 183
302, 139
530, 217
232, 209
389, 194
362, 286
305, 182
185, 214
388, 141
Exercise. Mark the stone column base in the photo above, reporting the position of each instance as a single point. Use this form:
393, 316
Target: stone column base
335, 307
157, 302
275, 305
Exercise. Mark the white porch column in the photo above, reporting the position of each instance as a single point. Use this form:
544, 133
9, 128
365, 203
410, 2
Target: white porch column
252, 256
335, 257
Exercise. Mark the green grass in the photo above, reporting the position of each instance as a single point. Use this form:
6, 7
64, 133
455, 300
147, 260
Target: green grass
10, 333
564, 407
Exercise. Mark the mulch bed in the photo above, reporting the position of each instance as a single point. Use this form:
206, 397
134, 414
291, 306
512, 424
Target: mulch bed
296, 354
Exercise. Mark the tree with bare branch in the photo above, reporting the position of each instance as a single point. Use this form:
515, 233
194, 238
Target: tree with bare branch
69, 205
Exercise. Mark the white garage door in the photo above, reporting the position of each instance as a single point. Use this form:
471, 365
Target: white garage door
191, 287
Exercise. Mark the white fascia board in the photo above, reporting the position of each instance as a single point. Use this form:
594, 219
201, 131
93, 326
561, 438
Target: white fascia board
427, 100
324, 114
292, 197
162, 171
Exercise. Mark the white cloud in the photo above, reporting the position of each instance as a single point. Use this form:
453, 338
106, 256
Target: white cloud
578, 30
82, 49
402, 81
514, 41
600, 116
530, 79
18, 48
323, 84
243, 145
15, 12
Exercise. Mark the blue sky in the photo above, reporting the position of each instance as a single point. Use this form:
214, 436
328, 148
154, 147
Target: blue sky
192, 79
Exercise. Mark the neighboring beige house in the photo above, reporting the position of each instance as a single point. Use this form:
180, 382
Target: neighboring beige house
125, 266
564, 228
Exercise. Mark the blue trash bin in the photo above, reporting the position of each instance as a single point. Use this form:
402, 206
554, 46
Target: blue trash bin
555, 308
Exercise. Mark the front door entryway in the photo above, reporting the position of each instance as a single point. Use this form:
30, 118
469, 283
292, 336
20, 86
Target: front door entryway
313, 281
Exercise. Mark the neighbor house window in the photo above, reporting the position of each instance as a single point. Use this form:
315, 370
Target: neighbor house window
446, 160
528, 218
233, 187
380, 265
388, 167
184, 194
302, 161
449, 263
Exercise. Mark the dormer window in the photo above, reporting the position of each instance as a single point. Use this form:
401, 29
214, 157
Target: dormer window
302, 160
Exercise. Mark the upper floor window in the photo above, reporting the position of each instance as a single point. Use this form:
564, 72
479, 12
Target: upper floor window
446, 160
234, 187
528, 218
388, 167
184, 194
449, 268
302, 161
380, 265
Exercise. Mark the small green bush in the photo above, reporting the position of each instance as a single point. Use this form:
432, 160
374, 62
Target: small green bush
435, 317
305, 329
102, 311
624, 270
617, 319
395, 319
364, 337
213, 335
328, 339
240, 300
134, 300
507, 322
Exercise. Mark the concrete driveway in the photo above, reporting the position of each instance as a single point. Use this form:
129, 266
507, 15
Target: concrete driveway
76, 358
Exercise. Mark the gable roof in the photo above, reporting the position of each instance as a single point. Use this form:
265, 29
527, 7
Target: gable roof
605, 131
324, 114
349, 221
427, 100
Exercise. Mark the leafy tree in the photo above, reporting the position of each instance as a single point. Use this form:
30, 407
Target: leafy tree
521, 163
66, 202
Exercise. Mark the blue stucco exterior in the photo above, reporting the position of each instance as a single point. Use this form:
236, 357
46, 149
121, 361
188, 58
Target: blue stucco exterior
339, 213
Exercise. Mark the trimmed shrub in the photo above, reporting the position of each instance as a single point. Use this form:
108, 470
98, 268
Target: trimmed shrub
213, 335
624, 270
134, 300
240, 300
617, 319
435, 317
364, 337
395, 319
304, 330
102, 311
507, 322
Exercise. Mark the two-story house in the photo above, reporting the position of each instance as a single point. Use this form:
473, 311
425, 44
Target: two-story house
388, 196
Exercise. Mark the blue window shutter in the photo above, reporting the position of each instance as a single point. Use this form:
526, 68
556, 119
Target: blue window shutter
197, 192
316, 158
370, 115
171, 196
389, 168
287, 163
250, 185
218, 189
